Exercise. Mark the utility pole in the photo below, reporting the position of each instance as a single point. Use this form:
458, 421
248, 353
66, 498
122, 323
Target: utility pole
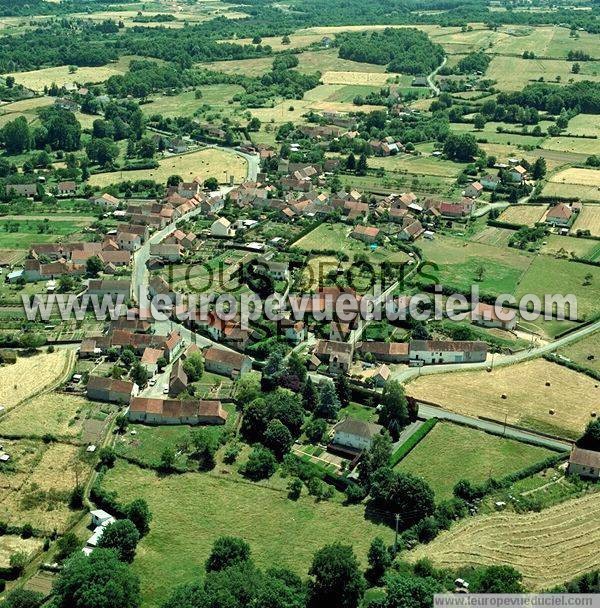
396, 537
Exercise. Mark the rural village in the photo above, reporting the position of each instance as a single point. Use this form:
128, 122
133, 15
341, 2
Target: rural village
435, 156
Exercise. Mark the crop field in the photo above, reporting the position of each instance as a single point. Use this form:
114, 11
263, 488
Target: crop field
585, 352
30, 375
36, 488
572, 396
582, 183
211, 505
548, 275
451, 452
205, 163
10, 544
358, 78
523, 215
589, 219
585, 124
417, 165
57, 414
549, 548
347, 93
36, 80
571, 246
185, 104
512, 73
10, 256
459, 264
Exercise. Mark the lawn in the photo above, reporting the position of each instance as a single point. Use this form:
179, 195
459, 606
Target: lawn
190, 511
547, 276
30, 375
451, 452
205, 163
534, 543
359, 412
570, 395
585, 352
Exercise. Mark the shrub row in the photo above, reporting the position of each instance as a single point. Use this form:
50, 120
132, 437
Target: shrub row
412, 441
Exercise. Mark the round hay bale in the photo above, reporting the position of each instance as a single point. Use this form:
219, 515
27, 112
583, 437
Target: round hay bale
504, 396
551, 412
547, 383
593, 414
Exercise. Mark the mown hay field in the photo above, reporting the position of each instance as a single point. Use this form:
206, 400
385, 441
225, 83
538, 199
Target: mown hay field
548, 548
363, 78
523, 215
588, 219
211, 505
585, 124
30, 375
211, 162
583, 184
578, 145
585, 352
577, 247
570, 395
451, 452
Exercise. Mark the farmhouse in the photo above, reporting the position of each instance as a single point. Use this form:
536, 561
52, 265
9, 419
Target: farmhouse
165, 251
106, 200
26, 190
355, 434
487, 316
411, 231
176, 411
585, 463
178, 380
109, 287
447, 351
474, 190
559, 215
490, 182
66, 188
150, 359
222, 227
111, 390
517, 174
461, 209
226, 362
391, 352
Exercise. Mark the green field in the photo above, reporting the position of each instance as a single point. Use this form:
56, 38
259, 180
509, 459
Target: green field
451, 452
571, 246
585, 352
190, 511
34, 231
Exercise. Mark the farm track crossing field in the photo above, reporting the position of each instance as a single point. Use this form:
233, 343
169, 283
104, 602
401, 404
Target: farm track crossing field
451, 452
589, 219
548, 548
210, 162
209, 506
523, 215
29, 375
572, 396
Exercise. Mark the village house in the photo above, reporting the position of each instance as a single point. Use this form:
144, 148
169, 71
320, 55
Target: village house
294, 331
150, 359
366, 234
226, 362
474, 190
355, 434
166, 252
431, 352
110, 390
339, 332
106, 200
412, 231
584, 463
517, 174
559, 215
178, 379
487, 316
490, 182
128, 241
26, 190
222, 228
175, 411
109, 287
462, 209
337, 355
377, 376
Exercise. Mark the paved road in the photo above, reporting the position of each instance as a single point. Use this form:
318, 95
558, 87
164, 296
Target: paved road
430, 411
432, 85
498, 360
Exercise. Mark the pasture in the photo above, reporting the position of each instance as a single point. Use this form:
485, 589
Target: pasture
416, 165
25, 107
523, 215
585, 352
585, 124
30, 375
491, 235
588, 219
57, 414
22, 233
36, 80
570, 395
577, 145
571, 246
534, 543
547, 276
211, 505
210, 162
450, 452
37, 485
